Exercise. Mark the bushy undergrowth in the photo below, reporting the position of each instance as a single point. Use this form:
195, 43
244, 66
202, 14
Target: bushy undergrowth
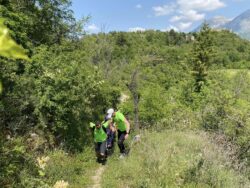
173, 159
23, 166
18, 165
226, 108
75, 169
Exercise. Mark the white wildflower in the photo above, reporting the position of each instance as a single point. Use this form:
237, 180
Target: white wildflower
61, 184
42, 162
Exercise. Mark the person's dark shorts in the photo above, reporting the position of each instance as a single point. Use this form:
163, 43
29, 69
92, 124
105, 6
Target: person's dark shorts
100, 147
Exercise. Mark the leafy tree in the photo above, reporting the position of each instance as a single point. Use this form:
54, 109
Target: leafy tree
133, 88
121, 39
41, 21
11, 151
9, 48
201, 56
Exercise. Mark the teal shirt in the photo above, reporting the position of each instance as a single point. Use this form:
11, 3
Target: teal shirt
119, 120
99, 134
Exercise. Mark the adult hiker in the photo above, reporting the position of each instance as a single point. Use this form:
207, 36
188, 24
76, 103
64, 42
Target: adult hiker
123, 128
100, 139
110, 133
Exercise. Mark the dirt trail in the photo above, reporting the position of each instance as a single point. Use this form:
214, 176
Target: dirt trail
97, 177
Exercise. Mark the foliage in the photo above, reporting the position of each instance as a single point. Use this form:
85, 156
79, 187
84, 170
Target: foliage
173, 159
72, 80
17, 165
8, 47
41, 21
12, 150
74, 169
66, 96
226, 108
201, 57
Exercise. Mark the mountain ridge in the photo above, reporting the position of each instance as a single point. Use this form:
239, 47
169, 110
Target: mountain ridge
239, 25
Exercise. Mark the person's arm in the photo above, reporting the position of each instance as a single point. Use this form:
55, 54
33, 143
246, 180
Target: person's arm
127, 126
91, 125
112, 127
106, 124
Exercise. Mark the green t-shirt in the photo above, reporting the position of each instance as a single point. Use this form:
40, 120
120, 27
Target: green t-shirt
99, 134
119, 120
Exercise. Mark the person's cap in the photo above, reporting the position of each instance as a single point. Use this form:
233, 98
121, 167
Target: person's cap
109, 113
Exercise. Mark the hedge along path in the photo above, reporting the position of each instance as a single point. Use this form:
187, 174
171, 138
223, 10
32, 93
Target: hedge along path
97, 177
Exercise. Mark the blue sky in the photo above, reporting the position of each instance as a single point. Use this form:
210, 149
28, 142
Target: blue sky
132, 15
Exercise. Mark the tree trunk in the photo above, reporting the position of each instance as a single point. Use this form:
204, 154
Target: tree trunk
133, 88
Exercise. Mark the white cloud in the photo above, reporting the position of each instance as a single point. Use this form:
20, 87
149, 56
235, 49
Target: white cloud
138, 6
192, 15
92, 28
185, 12
135, 29
176, 18
189, 15
164, 10
200, 5
245, 26
169, 28
184, 25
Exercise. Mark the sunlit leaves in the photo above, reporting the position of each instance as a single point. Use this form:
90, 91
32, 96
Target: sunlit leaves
1, 87
8, 47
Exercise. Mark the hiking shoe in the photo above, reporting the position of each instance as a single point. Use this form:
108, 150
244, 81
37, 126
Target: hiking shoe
98, 160
127, 151
122, 156
104, 162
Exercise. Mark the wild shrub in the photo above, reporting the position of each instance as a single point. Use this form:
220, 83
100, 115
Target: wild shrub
173, 159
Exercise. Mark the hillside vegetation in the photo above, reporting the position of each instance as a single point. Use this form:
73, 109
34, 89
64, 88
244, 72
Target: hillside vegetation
174, 159
55, 79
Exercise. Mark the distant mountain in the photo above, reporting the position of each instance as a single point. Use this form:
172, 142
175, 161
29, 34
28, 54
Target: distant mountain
241, 22
239, 25
218, 22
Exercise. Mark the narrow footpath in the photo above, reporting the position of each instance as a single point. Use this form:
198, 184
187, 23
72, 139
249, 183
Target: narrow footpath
97, 177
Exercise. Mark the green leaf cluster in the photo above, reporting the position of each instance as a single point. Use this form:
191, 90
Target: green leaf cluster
8, 47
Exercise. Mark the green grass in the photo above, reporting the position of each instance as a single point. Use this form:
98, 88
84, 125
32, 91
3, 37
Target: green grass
230, 73
75, 169
173, 159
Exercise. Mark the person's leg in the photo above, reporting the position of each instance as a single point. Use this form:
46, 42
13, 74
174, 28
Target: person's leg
112, 137
121, 138
103, 148
97, 150
109, 139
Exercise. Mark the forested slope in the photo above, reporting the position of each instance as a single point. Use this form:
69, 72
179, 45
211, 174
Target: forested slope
71, 79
